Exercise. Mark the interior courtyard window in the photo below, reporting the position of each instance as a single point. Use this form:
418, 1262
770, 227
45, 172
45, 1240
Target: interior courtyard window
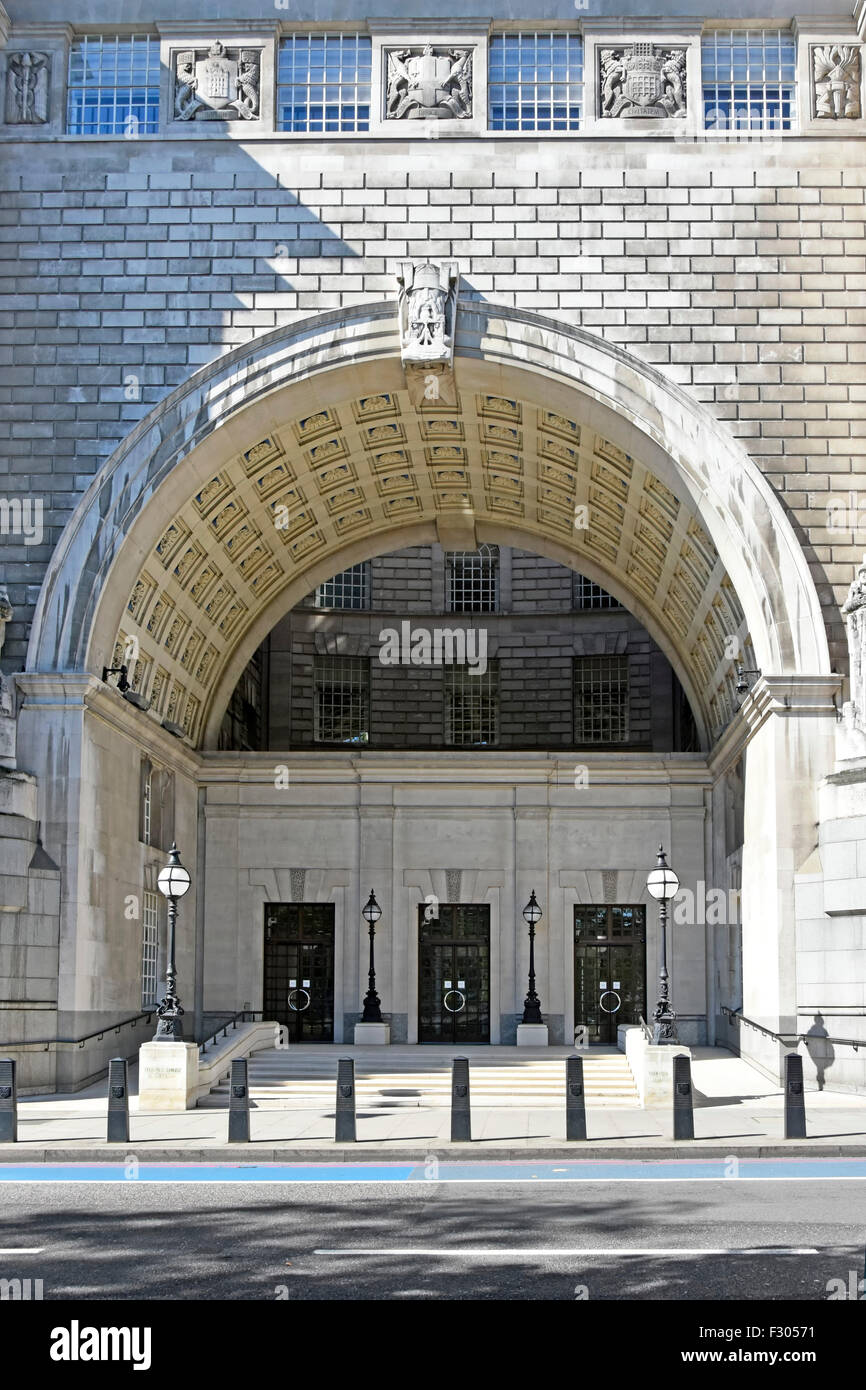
155, 806
149, 946
348, 589
471, 706
341, 709
601, 691
586, 594
323, 83
749, 79
535, 81
473, 580
242, 726
113, 85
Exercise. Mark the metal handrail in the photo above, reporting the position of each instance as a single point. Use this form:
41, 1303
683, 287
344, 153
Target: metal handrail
242, 1016
789, 1039
647, 1031
47, 1043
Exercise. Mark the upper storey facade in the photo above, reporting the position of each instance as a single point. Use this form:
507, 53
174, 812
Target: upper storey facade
599, 71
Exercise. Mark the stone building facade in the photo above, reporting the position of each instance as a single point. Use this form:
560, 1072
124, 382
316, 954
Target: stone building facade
295, 290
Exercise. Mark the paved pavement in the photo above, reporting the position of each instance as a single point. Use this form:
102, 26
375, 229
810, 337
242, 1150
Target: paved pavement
737, 1110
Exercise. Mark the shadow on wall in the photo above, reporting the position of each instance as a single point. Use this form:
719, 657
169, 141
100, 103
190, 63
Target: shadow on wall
820, 1049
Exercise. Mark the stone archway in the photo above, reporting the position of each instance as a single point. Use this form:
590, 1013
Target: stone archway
286, 461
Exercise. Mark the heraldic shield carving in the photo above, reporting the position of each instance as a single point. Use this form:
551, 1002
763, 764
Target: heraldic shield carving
642, 81
218, 85
428, 83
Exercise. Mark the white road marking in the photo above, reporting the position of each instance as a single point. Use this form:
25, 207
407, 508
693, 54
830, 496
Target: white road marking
578, 1252
24, 1250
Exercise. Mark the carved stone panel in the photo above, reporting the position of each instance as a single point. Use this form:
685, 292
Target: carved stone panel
836, 79
27, 88
854, 613
429, 83
427, 305
642, 80
217, 84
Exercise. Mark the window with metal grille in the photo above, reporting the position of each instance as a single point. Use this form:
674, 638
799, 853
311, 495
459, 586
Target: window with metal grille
586, 594
113, 85
749, 79
471, 706
473, 580
323, 82
341, 710
601, 699
348, 589
535, 81
146, 802
149, 947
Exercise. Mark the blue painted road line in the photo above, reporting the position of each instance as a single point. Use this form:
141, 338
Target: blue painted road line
482, 1171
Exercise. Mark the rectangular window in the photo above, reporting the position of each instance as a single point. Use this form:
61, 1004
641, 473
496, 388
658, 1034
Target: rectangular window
149, 947
586, 594
341, 711
471, 706
146, 829
113, 85
535, 81
323, 82
349, 589
473, 580
749, 79
600, 699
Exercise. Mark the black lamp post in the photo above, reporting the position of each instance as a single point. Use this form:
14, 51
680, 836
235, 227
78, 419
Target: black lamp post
372, 1003
173, 882
532, 1003
662, 884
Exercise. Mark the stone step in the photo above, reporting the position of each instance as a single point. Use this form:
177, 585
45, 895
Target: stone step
292, 1079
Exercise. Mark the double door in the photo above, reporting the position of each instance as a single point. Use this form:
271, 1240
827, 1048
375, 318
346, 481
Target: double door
454, 974
609, 969
299, 969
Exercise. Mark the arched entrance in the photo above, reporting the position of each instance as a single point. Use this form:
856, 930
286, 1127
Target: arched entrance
291, 459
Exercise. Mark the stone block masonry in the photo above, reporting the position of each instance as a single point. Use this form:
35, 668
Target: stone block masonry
738, 270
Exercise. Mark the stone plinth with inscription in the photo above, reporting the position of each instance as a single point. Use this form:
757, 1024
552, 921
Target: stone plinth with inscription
167, 1076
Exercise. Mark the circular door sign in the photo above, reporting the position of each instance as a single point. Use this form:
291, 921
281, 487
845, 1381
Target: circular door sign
299, 1008
609, 994
455, 1008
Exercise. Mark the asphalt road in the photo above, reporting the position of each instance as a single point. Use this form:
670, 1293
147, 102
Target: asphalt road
605, 1240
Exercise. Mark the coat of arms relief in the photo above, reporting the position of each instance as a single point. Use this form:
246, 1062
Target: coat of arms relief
429, 83
642, 80
219, 84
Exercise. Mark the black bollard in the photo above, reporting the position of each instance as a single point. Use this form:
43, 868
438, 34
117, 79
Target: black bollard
575, 1099
344, 1132
8, 1102
684, 1115
461, 1115
239, 1103
795, 1099
118, 1102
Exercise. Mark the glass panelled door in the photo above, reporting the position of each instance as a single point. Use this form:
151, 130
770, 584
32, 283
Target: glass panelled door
299, 969
609, 969
454, 974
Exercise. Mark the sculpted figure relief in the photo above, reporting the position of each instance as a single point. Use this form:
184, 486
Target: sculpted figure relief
27, 89
643, 80
429, 84
427, 298
836, 74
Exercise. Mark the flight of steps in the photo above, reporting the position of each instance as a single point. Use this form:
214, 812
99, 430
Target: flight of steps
304, 1078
